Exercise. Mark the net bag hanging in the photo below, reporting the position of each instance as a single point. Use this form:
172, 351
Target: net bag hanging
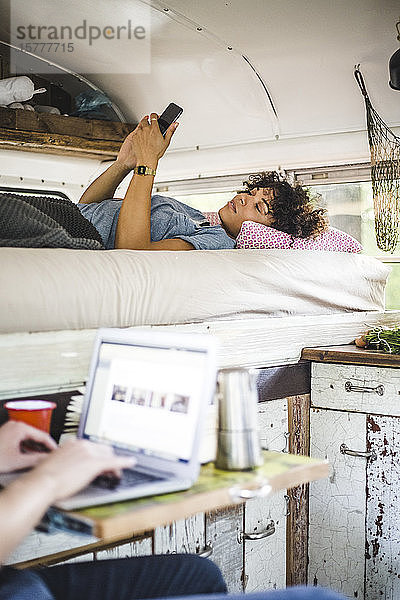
384, 147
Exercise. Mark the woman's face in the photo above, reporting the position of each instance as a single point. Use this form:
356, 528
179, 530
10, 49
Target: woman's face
247, 206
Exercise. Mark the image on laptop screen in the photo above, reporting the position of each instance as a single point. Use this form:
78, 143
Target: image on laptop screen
141, 389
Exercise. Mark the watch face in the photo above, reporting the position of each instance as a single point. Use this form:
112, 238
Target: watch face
144, 170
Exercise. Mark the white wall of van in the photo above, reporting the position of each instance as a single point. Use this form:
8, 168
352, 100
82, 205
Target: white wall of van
47, 172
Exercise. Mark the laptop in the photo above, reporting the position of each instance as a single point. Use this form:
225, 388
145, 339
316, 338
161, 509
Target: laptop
147, 396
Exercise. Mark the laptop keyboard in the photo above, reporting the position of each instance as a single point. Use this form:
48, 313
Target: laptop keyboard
129, 478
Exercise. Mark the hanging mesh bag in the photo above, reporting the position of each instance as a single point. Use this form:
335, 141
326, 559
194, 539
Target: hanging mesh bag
384, 147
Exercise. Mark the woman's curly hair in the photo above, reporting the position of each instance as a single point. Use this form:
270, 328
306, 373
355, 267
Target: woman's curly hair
292, 207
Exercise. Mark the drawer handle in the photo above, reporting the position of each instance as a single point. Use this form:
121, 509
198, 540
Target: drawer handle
379, 389
268, 531
345, 450
287, 438
287, 502
206, 552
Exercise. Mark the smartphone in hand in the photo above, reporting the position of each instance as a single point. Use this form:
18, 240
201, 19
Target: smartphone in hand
170, 114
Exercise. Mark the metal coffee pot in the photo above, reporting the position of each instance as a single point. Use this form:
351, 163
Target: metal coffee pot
238, 439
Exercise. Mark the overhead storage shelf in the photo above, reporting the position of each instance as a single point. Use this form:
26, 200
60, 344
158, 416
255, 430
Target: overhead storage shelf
27, 130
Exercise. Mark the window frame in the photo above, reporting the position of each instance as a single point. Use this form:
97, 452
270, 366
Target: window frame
350, 173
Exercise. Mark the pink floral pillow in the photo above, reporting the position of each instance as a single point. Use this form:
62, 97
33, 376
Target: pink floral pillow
254, 235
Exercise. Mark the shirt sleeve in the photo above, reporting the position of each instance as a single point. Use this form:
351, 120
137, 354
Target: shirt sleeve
209, 238
104, 216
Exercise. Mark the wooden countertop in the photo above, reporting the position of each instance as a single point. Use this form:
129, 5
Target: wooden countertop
352, 355
214, 489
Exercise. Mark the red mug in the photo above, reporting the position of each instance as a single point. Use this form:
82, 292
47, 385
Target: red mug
36, 413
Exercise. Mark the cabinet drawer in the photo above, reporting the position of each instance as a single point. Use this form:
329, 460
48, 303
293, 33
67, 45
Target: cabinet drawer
264, 540
356, 388
337, 504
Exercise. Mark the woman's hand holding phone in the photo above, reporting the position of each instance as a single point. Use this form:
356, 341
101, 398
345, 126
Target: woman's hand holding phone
148, 143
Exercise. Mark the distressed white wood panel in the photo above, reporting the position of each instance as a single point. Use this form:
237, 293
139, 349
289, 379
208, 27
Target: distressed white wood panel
337, 504
184, 536
328, 388
89, 557
142, 547
36, 545
273, 424
34, 363
383, 510
265, 559
45, 362
223, 534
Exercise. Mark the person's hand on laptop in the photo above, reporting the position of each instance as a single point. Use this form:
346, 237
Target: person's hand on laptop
58, 475
12, 434
75, 464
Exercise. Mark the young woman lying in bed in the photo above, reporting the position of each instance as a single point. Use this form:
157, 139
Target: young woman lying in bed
268, 213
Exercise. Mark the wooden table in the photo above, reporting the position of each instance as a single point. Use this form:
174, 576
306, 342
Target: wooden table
214, 489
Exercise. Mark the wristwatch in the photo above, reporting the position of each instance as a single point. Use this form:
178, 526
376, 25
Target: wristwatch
144, 170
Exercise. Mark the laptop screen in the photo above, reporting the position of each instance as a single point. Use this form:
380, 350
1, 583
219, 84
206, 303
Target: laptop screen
146, 399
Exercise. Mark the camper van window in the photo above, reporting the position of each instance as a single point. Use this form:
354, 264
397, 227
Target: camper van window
205, 202
350, 208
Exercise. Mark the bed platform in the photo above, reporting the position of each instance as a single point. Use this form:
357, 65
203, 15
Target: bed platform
263, 305
56, 361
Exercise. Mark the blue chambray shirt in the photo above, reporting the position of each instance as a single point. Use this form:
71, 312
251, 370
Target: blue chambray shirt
169, 219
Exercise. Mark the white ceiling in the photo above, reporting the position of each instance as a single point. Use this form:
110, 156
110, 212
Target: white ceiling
304, 50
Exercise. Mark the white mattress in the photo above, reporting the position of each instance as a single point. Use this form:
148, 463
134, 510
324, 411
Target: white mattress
59, 289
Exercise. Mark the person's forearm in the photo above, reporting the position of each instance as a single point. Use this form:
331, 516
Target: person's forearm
134, 229
105, 185
22, 505
133, 232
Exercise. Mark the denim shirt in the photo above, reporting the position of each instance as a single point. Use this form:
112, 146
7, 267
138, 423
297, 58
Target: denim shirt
169, 219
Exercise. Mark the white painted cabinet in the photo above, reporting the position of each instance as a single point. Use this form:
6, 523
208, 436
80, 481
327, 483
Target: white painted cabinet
140, 547
265, 544
183, 536
264, 535
354, 534
337, 504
